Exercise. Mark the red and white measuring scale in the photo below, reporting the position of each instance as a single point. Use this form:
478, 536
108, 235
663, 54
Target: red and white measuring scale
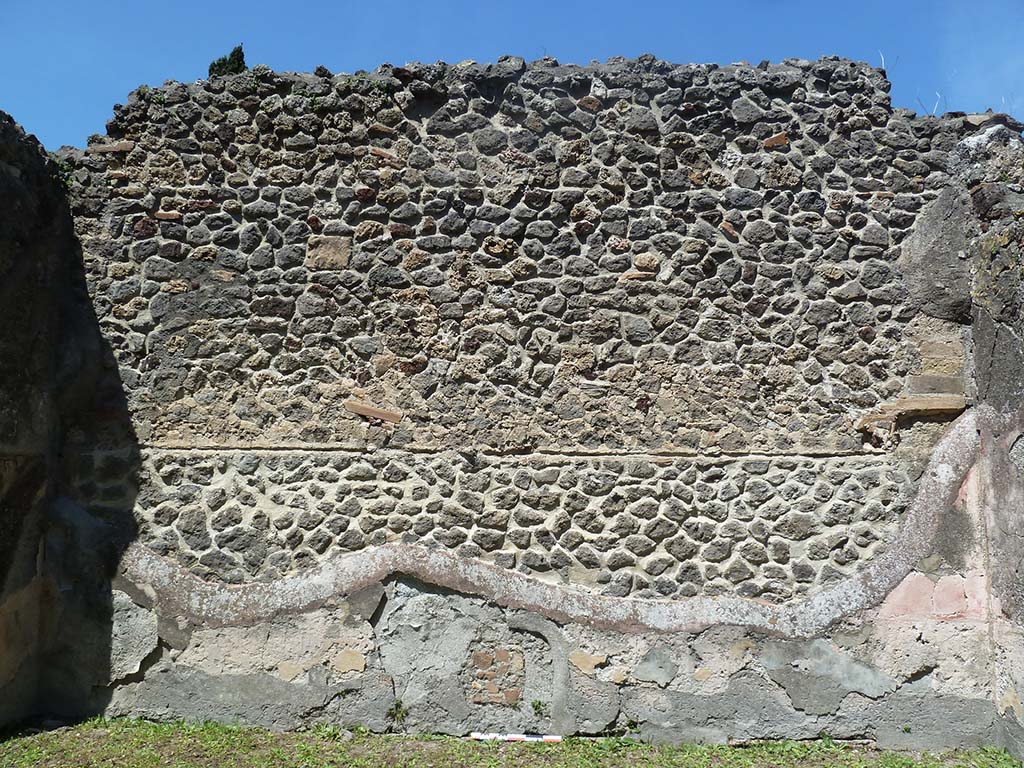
475, 736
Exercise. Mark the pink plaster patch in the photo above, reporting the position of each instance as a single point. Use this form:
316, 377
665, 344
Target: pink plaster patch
951, 597
963, 494
949, 600
912, 597
976, 592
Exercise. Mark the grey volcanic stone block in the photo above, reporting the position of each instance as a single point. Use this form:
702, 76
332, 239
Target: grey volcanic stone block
934, 258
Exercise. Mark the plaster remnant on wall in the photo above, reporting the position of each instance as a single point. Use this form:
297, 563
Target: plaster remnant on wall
133, 636
817, 677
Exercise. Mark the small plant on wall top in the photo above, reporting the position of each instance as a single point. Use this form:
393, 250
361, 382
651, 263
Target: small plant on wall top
231, 64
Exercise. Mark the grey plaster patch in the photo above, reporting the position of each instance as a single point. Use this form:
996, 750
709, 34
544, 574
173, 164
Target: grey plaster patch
172, 692
657, 666
561, 720
366, 701
133, 636
909, 721
18, 692
364, 603
1016, 454
1011, 736
955, 536
817, 677
425, 639
593, 705
748, 708
1003, 492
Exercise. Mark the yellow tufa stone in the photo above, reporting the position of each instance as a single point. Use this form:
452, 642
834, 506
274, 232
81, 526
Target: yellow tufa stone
325, 252
289, 670
112, 147
348, 660
1009, 700
587, 662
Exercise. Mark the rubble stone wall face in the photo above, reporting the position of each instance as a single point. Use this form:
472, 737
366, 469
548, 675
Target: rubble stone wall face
627, 316
652, 528
635, 390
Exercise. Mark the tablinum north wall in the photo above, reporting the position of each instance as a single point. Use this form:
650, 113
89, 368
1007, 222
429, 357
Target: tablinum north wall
676, 398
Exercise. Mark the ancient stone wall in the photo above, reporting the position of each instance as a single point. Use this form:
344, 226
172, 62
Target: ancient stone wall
678, 399
622, 318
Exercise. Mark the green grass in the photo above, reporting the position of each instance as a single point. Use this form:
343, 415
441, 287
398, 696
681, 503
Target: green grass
139, 744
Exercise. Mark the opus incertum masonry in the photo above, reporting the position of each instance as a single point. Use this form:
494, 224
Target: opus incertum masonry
678, 399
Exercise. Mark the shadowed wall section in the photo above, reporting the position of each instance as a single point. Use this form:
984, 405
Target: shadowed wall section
57, 388
35, 231
34, 234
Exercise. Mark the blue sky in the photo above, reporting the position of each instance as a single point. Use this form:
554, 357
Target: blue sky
65, 64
